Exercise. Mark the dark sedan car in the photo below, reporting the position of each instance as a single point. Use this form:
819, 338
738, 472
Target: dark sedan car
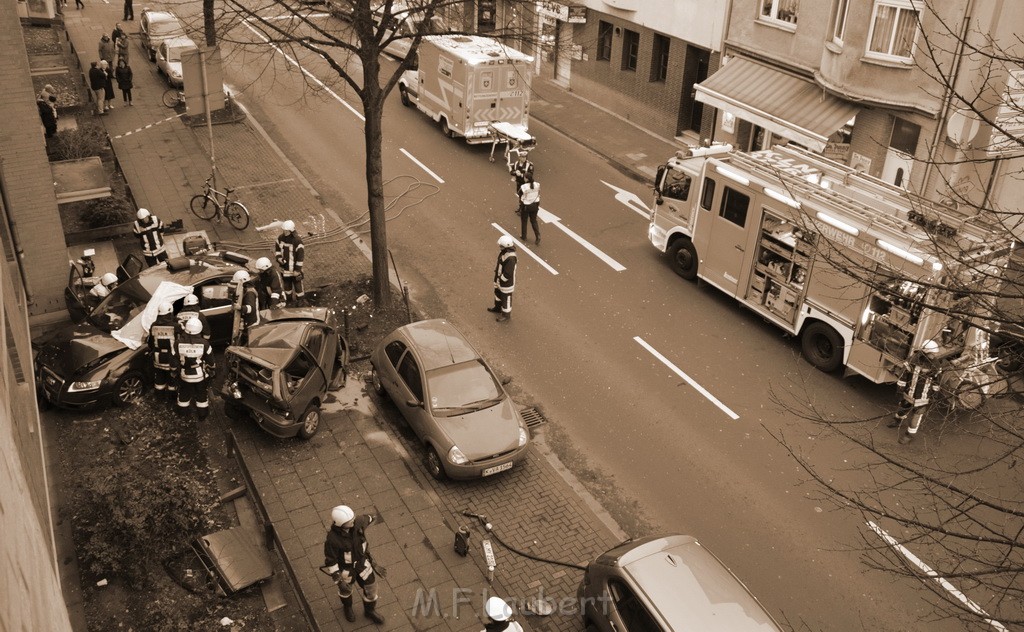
83, 365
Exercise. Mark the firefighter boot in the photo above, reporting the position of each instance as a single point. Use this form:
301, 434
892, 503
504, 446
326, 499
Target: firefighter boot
503, 317
370, 609
346, 605
494, 309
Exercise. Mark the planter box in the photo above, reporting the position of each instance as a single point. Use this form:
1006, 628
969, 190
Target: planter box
98, 234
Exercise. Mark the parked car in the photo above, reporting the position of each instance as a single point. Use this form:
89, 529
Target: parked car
451, 399
280, 378
667, 583
157, 26
168, 58
83, 365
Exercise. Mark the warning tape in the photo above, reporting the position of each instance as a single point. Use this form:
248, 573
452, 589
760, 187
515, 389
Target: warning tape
145, 127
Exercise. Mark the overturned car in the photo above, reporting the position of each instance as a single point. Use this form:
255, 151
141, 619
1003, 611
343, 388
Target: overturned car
281, 377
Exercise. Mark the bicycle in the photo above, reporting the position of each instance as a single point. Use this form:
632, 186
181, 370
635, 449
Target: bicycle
212, 203
173, 97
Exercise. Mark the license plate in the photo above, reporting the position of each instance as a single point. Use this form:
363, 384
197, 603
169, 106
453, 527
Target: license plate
497, 468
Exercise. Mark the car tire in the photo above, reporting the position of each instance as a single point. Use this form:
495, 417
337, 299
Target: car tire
129, 388
309, 423
434, 464
445, 129
822, 346
376, 384
403, 94
682, 257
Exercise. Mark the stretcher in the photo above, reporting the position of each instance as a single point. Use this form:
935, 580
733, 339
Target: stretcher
515, 138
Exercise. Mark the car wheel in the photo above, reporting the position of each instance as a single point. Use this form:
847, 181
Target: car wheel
434, 464
129, 388
822, 347
375, 382
309, 423
234, 411
682, 257
403, 94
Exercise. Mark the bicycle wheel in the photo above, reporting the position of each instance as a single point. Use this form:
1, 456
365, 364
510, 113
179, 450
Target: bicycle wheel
237, 214
203, 206
171, 98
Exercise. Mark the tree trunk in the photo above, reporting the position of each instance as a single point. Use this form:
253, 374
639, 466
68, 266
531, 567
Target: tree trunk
373, 110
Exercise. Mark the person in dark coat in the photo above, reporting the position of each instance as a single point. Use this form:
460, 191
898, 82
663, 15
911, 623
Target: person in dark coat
46, 114
108, 84
124, 79
129, 10
98, 84
106, 49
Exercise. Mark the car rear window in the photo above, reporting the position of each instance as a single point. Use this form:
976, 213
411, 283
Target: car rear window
460, 385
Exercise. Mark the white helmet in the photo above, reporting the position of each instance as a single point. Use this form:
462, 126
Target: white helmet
108, 279
193, 326
342, 514
287, 225
930, 346
164, 309
263, 264
190, 299
142, 214
497, 609
241, 277
506, 241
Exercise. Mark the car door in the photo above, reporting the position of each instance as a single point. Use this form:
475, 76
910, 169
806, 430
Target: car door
301, 377
215, 303
411, 402
628, 613
130, 267
314, 345
75, 296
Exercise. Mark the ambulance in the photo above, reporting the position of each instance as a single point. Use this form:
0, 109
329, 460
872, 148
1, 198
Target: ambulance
865, 273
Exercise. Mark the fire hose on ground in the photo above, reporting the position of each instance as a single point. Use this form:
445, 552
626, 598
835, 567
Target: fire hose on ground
489, 528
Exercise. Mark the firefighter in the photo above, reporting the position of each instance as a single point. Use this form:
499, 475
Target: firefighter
499, 616
102, 289
190, 309
195, 368
504, 279
247, 307
290, 254
150, 231
269, 284
161, 347
347, 558
917, 382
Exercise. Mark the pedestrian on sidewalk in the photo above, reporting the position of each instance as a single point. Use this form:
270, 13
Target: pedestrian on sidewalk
290, 254
499, 616
108, 84
124, 79
79, 4
347, 558
121, 47
529, 206
129, 10
148, 227
117, 33
47, 114
106, 49
269, 285
504, 279
98, 84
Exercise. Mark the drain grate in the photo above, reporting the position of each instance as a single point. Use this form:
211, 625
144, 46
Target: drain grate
532, 417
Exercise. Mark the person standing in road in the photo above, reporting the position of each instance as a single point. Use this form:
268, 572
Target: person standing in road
98, 84
124, 77
918, 381
129, 10
150, 231
519, 169
290, 254
504, 279
247, 307
108, 84
195, 362
529, 206
499, 616
347, 558
162, 335
269, 284
106, 49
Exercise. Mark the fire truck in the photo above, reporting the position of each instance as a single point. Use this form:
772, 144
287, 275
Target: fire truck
863, 272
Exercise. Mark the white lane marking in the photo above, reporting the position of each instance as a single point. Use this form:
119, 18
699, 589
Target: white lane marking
927, 570
271, 18
521, 246
631, 200
689, 380
312, 78
549, 218
422, 166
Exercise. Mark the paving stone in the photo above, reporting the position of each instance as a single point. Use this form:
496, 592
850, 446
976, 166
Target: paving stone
400, 573
420, 554
387, 499
304, 516
295, 500
433, 574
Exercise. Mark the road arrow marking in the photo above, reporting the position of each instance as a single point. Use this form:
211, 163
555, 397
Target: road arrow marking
422, 166
549, 218
631, 200
521, 246
689, 380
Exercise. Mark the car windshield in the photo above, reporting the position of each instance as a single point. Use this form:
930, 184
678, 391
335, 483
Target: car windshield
124, 302
461, 388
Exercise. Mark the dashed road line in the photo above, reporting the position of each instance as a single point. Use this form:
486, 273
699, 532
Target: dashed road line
521, 246
421, 165
145, 127
689, 380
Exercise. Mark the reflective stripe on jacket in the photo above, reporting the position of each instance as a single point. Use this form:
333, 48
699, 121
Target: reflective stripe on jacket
290, 253
505, 271
151, 234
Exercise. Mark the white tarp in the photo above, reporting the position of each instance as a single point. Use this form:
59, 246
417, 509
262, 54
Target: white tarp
134, 334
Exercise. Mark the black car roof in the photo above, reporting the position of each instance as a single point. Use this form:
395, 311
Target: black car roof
201, 268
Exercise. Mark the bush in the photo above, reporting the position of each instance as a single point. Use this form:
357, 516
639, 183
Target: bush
89, 139
107, 212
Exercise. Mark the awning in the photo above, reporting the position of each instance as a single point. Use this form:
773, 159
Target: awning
779, 102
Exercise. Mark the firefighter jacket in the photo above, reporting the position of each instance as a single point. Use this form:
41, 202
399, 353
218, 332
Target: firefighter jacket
271, 288
289, 253
99, 291
520, 170
503, 626
161, 341
346, 551
249, 306
916, 384
195, 357
151, 232
191, 312
505, 271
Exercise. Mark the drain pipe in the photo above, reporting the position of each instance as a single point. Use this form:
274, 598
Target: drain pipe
12, 228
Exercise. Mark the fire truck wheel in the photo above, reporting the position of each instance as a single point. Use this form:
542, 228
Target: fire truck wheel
822, 347
683, 258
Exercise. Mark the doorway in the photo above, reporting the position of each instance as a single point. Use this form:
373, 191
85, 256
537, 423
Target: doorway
695, 70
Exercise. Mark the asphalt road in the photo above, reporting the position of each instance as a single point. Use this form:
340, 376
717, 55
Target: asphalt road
590, 341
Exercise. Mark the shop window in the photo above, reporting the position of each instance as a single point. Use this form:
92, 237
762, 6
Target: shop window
838, 30
604, 41
904, 136
893, 30
630, 49
659, 58
782, 12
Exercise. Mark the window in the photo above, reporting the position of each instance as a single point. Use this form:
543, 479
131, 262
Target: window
783, 11
297, 371
893, 29
630, 49
708, 195
659, 58
410, 374
604, 41
734, 207
634, 616
314, 342
394, 351
677, 185
838, 30
904, 136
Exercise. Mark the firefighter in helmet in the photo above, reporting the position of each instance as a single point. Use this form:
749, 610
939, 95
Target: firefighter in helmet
190, 309
195, 369
101, 290
150, 231
247, 307
918, 381
290, 255
162, 335
499, 616
347, 558
269, 285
